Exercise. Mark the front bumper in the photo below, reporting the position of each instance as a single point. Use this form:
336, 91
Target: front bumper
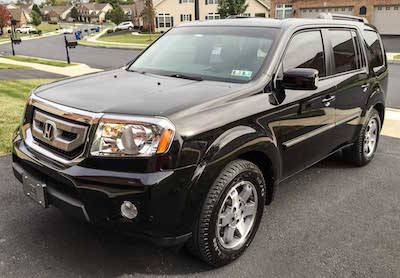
96, 196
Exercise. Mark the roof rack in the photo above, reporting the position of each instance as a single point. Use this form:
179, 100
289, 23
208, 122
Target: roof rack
342, 17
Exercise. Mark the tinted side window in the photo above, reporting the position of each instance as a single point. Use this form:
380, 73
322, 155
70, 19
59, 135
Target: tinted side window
360, 53
374, 49
306, 51
343, 50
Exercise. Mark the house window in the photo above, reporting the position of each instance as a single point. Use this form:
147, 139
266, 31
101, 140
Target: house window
363, 10
387, 8
283, 11
164, 21
259, 14
185, 1
211, 2
186, 17
379, 8
396, 8
212, 16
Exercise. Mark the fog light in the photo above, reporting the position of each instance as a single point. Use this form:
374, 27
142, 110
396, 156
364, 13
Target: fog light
128, 210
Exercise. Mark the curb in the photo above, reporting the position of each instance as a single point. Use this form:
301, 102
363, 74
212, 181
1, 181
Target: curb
111, 47
396, 62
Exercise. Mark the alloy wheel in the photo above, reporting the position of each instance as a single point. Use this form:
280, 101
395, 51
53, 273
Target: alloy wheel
237, 215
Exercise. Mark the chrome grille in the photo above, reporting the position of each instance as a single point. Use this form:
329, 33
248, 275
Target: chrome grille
68, 141
58, 133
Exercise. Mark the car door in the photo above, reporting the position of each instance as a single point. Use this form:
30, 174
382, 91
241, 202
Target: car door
350, 76
307, 118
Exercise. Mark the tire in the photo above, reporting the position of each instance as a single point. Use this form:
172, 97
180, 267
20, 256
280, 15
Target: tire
216, 244
360, 153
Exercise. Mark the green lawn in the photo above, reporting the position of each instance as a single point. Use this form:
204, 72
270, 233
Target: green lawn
397, 57
129, 38
9, 66
37, 61
47, 28
12, 102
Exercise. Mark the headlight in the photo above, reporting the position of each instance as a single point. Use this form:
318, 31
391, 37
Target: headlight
132, 136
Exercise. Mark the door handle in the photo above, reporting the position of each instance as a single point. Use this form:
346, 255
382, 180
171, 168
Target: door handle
327, 100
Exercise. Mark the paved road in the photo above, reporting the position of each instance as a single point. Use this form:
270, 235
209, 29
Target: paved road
54, 48
9, 74
332, 220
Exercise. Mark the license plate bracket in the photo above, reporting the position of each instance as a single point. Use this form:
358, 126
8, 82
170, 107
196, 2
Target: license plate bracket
35, 189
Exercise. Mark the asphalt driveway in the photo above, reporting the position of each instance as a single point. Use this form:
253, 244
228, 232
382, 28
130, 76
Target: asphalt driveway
332, 220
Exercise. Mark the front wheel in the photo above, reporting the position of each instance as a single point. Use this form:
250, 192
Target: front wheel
230, 215
363, 150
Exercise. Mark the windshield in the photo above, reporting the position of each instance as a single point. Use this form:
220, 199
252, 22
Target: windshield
233, 54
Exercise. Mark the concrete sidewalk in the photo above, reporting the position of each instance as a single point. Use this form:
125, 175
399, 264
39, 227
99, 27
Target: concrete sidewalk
70, 71
391, 126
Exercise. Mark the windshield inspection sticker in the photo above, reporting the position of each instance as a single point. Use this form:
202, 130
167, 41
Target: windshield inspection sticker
242, 73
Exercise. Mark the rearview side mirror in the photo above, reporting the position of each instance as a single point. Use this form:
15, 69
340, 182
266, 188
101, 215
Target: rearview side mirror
300, 79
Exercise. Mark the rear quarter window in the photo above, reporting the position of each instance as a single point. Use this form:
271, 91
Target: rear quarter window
374, 48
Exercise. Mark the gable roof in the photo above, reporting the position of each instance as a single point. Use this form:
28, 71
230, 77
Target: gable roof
57, 9
15, 14
263, 4
95, 6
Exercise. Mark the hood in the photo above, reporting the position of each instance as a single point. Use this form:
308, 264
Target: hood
123, 92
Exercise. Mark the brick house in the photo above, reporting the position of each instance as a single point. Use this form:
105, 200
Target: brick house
93, 12
384, 14
55, 13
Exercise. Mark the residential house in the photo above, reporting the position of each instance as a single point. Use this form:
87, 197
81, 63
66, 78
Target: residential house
170, 13
384, 14
129, 12
93, 12
26, 9
56, 13
19, 16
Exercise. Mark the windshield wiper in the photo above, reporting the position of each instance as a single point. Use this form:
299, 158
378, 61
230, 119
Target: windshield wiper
183, 76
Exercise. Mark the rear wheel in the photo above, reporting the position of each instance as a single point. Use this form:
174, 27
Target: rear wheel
230, 215
363, 151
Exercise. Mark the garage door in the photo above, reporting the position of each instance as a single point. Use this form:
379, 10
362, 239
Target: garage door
387, 19
314, 12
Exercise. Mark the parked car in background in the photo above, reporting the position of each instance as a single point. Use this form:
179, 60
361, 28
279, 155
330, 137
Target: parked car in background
186, 144
67, 31
127, 25
26, 30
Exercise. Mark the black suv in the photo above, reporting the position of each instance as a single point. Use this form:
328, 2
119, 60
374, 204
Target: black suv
187, 142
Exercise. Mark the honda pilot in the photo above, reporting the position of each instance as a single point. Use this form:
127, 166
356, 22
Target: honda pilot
187, 143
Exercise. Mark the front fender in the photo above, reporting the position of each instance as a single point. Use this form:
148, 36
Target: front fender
230, 145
